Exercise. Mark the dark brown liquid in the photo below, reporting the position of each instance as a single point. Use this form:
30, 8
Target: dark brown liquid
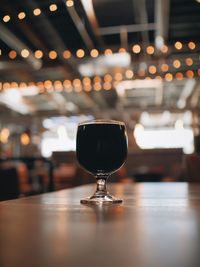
101, 148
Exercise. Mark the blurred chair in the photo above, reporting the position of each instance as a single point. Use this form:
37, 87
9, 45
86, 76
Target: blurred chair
192, 167
9, 184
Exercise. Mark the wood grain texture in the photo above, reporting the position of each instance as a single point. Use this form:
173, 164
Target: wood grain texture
158, 225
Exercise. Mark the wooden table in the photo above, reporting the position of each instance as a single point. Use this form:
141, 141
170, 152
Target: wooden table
158, 225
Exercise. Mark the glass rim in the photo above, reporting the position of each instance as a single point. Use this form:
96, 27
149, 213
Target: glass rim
101, 121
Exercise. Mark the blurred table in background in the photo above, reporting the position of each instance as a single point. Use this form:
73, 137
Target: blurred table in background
157, 225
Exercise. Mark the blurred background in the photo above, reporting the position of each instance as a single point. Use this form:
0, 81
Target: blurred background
64, 62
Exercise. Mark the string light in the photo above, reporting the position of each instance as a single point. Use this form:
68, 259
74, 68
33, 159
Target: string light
6, 86
6, 18
22, 85
107, 78
87, 87
168, 77
108, 52
52, 54
36, 11
53, 7
136, 49
58, 86
38, 54
86, 80
80, 53
191, 45
152, 69
141, 72
164, 67
97, 79
48, 84
176, 63
179, 76
14, 85
21, 15
189, 61
107, 86
69, 3
4, 135
190, 74
97, 86
94, 53
67, 54
158, 77
150, 49
129, 74
67, 85
25, 53
178, 45
12, 54
122, 50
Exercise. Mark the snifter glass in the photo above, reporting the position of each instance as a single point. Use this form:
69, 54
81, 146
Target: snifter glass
101, 149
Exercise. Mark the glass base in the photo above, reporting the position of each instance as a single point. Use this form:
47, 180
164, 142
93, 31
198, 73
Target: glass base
103, 199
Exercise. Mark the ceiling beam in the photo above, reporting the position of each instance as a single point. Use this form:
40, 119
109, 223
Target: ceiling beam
90, 13
162, 22
80, 27
15, 43
129, 28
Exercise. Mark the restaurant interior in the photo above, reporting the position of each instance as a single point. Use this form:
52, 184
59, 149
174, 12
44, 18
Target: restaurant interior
66, 62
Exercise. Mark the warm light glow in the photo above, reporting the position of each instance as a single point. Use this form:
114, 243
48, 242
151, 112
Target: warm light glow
52, 54
37, 11
4, 135
6, 86
80, 53
67, 54
12, 54
136, 49
150, 49
97, 79
129, 74
25, 139
108, 52
189, 61
176, 63
87, 87
107, 86
53, 7
38, 54
190, 74
76, 82
69, 3
192, 45
164, 67
178, 45
21, 85
67, 85
164, 49
78, 88
21, 15
14, 85
6, 18
168, 77
118, 76
97, 86
86, 80
58, 86
158, 77
25, 53
94, 53
48, 84
152, 69
108, 78
179, 76
122, 50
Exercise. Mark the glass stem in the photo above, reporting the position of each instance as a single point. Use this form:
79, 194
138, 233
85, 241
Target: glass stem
101, 184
